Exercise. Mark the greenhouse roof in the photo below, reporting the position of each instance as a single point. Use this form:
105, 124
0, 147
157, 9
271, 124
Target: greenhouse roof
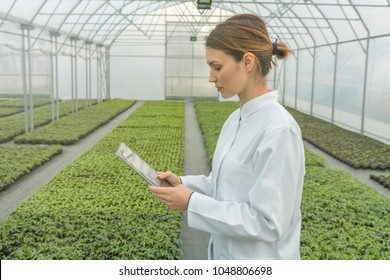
303, 23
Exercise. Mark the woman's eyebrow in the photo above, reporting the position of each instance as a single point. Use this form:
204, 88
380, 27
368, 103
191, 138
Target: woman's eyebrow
212, 62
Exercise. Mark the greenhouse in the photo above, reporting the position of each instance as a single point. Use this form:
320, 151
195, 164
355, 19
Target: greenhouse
77, 78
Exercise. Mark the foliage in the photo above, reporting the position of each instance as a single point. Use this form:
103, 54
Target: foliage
98, 208
16, 161
71, 128
19, 102
354, 149
14, 125
8, 111
381, 179
341, 218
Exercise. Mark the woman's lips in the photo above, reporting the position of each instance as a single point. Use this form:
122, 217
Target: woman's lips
219, 88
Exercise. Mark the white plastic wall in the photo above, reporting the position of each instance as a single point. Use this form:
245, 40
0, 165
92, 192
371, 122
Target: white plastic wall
138, 72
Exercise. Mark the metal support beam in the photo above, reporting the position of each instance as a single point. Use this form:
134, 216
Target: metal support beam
54, 36
296, 82
312, 81
27, 78
74, 73
334, 83
365, 88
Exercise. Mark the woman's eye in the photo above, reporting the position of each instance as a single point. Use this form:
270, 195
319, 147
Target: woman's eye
217, 68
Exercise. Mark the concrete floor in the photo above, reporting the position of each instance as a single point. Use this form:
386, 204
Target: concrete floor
195, 163
194, 242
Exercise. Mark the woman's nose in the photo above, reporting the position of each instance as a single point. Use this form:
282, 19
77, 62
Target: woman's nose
212, 78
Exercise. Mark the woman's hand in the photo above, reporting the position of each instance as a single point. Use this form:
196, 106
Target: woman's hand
176, 198
172, 178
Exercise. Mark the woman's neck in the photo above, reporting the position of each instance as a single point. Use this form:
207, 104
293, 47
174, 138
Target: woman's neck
252, 91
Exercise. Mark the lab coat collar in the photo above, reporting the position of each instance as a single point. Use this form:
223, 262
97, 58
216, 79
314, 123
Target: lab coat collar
256, 103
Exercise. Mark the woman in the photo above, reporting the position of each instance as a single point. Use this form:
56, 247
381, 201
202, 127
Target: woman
250, 202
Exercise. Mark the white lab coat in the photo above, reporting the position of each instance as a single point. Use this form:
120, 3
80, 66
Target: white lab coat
250, 202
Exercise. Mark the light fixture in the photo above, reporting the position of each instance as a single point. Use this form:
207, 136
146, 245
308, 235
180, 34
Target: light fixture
204, 4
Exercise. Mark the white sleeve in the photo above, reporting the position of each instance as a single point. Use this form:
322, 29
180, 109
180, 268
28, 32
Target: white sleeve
274, 197
198, 183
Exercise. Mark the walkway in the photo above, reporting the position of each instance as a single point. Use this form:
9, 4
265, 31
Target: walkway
28, 184
195, 163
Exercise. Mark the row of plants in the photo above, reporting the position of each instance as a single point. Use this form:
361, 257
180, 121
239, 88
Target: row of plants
16, 161
354, 149
97, 207
16, 105
19, 102
14, 125
8, 111
381, 179
341, 217
73, 127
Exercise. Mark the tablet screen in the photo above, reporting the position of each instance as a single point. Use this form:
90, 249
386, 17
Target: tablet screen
139, 165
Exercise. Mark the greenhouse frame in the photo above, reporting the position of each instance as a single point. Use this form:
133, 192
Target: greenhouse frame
137, 66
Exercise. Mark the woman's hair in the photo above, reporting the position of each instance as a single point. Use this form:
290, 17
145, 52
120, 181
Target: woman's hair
244, 33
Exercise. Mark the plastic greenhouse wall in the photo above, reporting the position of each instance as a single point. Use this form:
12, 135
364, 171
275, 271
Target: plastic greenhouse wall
338, 92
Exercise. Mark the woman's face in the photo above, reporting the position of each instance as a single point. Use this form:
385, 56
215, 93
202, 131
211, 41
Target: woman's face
229, 76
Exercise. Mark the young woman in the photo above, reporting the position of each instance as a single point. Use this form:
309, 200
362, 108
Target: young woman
250, 202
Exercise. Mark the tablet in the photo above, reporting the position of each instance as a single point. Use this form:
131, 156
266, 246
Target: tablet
140, 166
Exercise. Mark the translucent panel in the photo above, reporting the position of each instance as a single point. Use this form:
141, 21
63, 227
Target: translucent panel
314, 11
24, 9
305, 80
199, 49
350, 13
377, 20
310, 22
328, 1
370, 2
178, 67
332, 11
144, 82
359, 28
179, 86
323, 82
200, 68
290, 82
11, 80
301, 11
377, 114
349, 85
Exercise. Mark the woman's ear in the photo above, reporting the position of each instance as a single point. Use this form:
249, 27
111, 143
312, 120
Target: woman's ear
249, 61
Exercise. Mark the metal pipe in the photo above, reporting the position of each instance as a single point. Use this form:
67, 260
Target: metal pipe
86, 76
30, 81
72, 75
296, 82
108, 73
90, 75
52, 80
334, 83
312, 81
24, 73
75, 72
56, 76
365, 89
